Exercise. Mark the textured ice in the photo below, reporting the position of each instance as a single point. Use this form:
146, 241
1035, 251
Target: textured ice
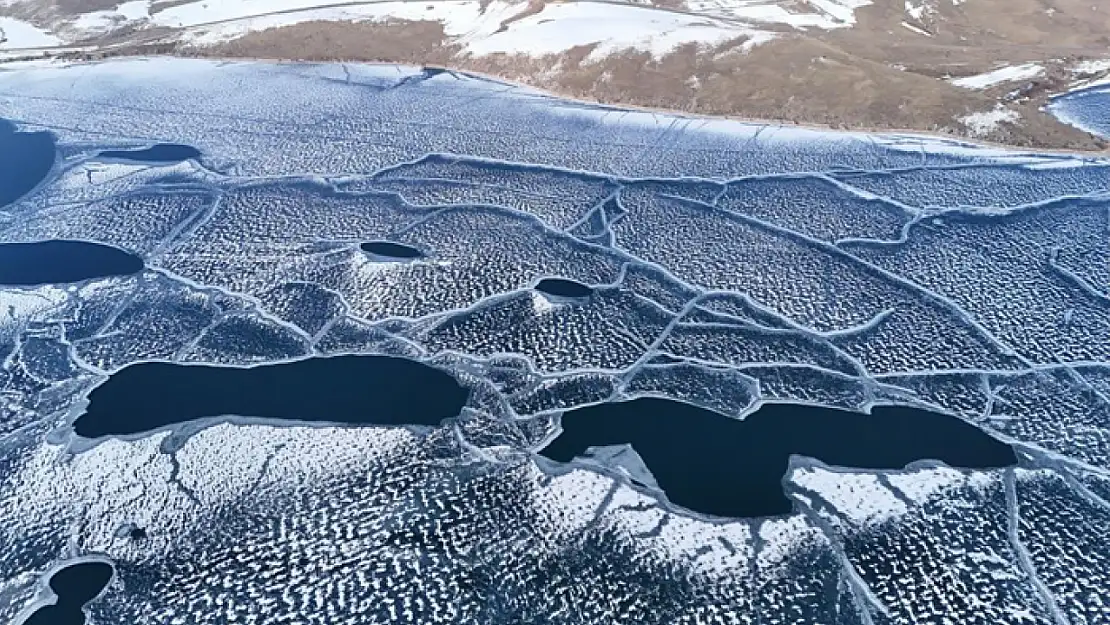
1085, 108
729, 265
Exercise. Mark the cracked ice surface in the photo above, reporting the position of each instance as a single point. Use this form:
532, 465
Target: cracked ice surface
730, 265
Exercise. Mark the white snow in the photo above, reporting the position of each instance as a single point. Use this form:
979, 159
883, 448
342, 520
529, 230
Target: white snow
569, 502
920, 31
213, 24
1092, 67
782, 538
985, 122
837, 14
859, 497
95, 22
19, 306
916, 11
922, 485
134, 10
1004, 74
19, 34
103, 21
843, 11
541, 305
559, 27
456, 13
555, 29
208, 11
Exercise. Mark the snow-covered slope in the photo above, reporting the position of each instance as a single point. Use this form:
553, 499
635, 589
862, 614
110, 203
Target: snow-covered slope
1010, 73
480, 27
20, 34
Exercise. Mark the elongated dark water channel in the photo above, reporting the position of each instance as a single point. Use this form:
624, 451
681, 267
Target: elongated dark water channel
713, 464
562, 287
159, 153
359, 390
388, 250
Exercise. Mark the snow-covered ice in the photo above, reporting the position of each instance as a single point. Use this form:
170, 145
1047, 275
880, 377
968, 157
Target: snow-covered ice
858, 270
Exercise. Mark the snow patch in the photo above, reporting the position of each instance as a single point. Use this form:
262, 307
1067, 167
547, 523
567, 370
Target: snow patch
555, 29
859, 497
984, 123
784, 537
918, 11
541, 305
1004, 74
20, 306
1092, 67
918, 30
923, 485
16, 34
836, 15
560, 27
134, 10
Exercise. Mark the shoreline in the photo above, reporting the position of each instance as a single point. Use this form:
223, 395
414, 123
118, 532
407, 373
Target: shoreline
909, 133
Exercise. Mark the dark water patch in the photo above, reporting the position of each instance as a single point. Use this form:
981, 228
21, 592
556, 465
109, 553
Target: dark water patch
389, 250
75, 586
25, 160
709, 463
55, 262
358, 390
561, 287
158, 153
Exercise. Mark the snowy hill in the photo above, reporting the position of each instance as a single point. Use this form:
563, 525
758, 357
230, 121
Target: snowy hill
481, 27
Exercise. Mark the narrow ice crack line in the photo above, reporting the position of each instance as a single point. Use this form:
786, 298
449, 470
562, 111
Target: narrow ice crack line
861, 328
175, 478
655, 531
1083, 491
603, 505
256, 305
185, 230
253, 489
1025, 561
855, 580
890, 276
1080, 282
1048, 457
595, 208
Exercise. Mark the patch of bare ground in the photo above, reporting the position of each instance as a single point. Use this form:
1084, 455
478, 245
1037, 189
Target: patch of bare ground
971, 37
791, 79
395, 41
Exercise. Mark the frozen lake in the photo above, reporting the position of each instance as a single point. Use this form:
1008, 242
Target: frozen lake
385, 246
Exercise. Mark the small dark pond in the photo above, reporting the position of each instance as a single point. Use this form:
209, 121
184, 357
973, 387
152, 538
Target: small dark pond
75, 585
363, 390
561, 287
712, 464
54, 262
25, 160
390, 250
159, 153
